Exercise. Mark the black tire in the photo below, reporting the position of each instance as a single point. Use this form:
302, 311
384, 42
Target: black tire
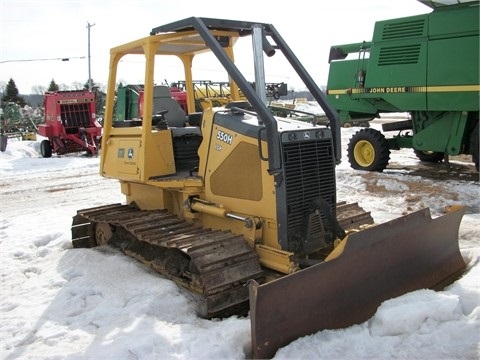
98, 143
45, 149
429, 156
474, 145
368, 150
3, 144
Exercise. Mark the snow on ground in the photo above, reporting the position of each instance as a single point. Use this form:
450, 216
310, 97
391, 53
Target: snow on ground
57, 302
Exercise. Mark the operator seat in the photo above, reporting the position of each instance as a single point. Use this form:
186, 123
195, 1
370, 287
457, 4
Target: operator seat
162, 100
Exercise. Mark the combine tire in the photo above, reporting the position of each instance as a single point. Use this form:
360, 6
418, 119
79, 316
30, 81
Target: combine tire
429, 156
368, 150
45, 149
474, 145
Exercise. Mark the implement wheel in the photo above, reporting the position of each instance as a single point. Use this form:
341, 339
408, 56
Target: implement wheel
45, 149
429, 156
368, 150
3, 144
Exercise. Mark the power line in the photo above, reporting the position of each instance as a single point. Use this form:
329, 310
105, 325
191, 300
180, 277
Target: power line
61, 59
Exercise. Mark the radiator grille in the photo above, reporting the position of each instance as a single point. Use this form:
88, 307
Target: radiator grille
403, 30
399, 55
309, 174
75, 115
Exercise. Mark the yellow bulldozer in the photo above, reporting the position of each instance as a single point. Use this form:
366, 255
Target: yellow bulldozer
239, 206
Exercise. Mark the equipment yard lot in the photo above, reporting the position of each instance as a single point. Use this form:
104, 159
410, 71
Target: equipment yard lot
258, 216
97, 303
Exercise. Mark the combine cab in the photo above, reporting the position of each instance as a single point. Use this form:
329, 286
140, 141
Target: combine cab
240, 206
70, 123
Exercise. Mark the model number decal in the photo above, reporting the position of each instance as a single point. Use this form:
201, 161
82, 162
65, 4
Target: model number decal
226, 138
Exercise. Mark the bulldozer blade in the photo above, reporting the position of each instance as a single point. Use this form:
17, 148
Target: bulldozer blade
379, 263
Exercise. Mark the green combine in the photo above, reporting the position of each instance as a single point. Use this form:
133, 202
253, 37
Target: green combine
425, 65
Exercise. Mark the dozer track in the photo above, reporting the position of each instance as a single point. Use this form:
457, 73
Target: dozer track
215, 265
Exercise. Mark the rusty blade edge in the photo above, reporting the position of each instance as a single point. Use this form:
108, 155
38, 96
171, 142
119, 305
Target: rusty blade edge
406, 254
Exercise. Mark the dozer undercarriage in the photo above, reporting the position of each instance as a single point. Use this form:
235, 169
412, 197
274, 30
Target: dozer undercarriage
216, 265
240, 206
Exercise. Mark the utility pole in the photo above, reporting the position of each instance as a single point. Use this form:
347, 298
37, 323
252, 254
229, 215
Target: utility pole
89, 67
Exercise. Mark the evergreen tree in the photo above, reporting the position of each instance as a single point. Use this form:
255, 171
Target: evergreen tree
53, 86
11, 94
94, 84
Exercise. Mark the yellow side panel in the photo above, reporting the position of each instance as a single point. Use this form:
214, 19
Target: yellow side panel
158, 153
131, 158
238, 179
121, 158
127, 156
244, 184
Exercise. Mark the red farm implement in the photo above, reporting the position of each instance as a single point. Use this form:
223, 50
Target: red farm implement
70, 125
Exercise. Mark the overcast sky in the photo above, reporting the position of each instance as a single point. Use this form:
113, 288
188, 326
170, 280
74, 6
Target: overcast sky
44, 32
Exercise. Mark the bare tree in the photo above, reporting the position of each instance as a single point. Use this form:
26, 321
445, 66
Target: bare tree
38, 89
77, 85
